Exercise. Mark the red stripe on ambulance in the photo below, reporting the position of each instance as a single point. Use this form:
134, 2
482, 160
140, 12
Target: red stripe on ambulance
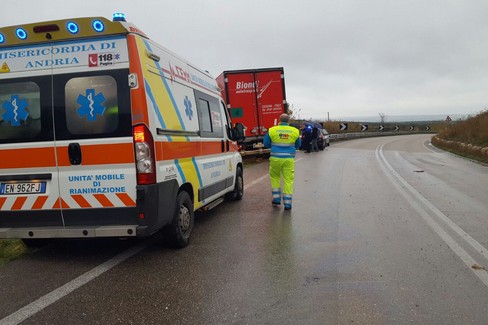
60, 204
24, 158
82, 202
126, 199
104, 201
2, 201
39, 203
100, 154
19, 202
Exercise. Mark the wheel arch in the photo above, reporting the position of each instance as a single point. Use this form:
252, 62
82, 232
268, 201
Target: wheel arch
188, 187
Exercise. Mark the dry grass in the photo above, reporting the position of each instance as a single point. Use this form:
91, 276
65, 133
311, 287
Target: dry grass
10, 249
467, 138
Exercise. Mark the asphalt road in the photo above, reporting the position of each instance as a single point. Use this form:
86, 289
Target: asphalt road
383, 231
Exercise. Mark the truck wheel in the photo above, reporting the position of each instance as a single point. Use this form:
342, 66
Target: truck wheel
178, 233
238, 191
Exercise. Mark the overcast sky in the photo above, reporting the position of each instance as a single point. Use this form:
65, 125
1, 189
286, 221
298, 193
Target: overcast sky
341, 57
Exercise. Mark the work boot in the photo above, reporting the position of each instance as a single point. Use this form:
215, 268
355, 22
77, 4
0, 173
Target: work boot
276, 202
287, 206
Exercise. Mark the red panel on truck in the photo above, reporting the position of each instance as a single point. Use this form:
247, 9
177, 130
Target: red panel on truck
241, 92
255, 97
270, 96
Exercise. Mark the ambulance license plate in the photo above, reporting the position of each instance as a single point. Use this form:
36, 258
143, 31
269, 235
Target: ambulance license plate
23, 188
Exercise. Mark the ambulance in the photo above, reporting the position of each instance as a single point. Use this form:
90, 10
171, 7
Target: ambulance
105, 133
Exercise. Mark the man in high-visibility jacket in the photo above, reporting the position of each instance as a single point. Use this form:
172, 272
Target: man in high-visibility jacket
283, 140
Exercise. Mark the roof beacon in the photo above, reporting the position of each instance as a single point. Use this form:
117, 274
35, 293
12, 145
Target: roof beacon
118, 16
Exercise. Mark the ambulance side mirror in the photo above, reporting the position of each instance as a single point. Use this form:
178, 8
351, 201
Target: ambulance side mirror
238, 132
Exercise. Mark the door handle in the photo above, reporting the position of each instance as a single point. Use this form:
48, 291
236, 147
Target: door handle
74, 153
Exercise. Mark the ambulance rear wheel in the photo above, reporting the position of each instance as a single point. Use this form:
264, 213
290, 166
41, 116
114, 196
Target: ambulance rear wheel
238, 191
179, 231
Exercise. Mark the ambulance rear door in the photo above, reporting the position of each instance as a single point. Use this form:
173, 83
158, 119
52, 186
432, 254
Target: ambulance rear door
29, 189
93, 131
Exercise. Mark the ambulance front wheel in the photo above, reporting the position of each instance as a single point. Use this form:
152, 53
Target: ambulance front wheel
238, 191
179, 231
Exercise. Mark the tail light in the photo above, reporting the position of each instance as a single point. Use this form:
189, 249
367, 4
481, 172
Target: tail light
144, 150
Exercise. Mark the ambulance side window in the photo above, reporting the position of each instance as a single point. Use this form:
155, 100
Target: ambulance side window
20, 110
209, 116
91, 105
204, 114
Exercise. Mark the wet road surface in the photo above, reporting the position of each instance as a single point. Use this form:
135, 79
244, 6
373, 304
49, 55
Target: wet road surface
382, 231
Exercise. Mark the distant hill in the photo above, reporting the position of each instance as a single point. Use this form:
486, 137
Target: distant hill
403, 118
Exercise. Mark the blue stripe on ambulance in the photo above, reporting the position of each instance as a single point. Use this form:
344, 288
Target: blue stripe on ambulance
155, 104
182, 175
168, 90
198, 172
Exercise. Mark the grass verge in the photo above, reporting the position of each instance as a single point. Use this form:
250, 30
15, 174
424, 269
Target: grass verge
467, 138
11, 249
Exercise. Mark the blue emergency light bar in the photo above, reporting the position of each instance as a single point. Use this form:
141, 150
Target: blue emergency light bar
58, 30
118, 16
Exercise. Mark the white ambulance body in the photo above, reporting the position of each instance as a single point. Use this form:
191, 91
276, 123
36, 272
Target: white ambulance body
105, 133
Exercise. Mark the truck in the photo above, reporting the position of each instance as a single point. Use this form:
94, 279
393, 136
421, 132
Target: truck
255, 98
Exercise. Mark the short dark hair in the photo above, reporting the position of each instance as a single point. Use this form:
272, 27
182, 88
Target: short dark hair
284, 118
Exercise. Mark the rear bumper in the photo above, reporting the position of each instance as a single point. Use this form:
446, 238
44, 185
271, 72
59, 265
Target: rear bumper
73, 232
153, 210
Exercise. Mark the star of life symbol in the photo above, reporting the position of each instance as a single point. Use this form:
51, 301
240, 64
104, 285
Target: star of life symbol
188, 110
15, 110
91, 105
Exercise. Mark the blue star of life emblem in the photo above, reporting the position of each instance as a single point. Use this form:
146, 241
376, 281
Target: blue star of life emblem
188, 110
15, 110
91, 105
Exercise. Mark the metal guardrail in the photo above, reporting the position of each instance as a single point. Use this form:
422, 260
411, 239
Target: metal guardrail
354, 135
337, 137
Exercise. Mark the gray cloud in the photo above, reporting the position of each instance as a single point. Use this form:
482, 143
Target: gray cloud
346, 57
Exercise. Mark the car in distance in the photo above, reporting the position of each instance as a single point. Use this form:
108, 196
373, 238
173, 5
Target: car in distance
323, 140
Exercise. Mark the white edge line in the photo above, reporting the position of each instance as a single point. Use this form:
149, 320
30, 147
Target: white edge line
393, 176
430, 149
55, 295
260, 179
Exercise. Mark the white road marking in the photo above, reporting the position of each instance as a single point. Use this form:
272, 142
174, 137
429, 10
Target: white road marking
430, 144
256, 181
260, 179
48, 299
31, 309
414, 198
